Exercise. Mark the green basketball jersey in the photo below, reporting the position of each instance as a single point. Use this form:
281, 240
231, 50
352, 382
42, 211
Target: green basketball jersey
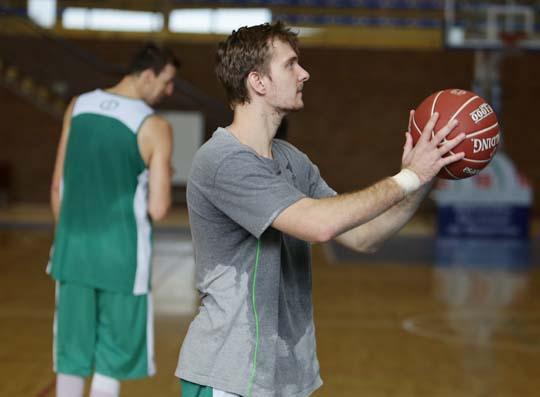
103, 236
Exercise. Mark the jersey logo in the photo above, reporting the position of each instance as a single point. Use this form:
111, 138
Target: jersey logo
109, 104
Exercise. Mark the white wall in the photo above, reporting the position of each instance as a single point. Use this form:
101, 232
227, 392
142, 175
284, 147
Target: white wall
188, 130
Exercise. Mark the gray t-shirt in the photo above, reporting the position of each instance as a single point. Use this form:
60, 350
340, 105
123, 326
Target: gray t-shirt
254, 329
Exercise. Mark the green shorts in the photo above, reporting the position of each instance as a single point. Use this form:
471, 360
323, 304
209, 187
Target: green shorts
194, 390
100, 331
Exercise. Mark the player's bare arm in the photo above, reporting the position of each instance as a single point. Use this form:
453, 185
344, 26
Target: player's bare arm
59, 163
155, 142
370, 236
320, 220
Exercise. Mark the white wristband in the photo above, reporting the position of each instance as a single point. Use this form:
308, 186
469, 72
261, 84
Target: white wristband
407, 180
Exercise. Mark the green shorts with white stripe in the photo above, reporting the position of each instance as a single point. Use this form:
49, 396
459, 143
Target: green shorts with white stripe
100, 331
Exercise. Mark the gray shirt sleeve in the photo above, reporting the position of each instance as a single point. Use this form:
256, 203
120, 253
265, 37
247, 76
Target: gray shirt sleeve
309, 179
252, 191
318, 188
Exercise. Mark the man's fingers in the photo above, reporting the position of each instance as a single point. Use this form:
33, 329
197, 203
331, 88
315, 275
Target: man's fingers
451, 159
443, 132
408, 146
452, 143
428, 129
411, 116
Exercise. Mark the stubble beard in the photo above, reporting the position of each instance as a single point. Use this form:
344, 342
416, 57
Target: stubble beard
296, 107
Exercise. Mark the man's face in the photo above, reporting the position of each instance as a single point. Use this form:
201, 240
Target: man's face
160, 85
285, 78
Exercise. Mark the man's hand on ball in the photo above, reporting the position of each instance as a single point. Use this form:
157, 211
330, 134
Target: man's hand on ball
426, 158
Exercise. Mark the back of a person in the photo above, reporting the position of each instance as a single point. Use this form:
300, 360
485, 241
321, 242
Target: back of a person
103, 230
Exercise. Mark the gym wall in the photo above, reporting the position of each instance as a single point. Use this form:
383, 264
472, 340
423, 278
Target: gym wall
356, 108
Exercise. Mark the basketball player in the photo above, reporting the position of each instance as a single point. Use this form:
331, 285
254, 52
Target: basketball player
255, 204
111, 178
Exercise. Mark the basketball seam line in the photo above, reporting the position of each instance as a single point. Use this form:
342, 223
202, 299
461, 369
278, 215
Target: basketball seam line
463, 107
475, 133
473, 161
452, 175
476, 161
434, 102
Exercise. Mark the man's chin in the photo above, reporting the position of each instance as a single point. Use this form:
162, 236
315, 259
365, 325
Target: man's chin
295, 108
155, 101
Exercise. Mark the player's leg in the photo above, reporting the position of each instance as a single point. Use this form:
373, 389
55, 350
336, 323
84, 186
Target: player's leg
104, 386
74, 337
69, 385
125, 346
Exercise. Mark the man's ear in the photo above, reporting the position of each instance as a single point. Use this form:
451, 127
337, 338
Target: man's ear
256, 82
147, 76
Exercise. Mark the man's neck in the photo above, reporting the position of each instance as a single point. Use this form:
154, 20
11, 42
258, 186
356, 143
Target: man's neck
255, 127
126, 87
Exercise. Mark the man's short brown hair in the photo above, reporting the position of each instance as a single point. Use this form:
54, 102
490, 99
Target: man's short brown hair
246, 50
152, 56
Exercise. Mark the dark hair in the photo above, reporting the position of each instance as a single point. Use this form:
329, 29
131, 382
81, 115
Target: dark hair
154, 57
245, 50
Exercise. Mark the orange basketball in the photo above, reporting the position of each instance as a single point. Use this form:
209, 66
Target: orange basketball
476, 119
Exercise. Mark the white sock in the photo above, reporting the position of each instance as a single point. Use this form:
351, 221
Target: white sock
69, 385
104, 386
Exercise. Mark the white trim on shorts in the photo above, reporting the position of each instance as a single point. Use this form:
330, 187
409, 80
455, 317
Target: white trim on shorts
221, 393
144, 234
55, 323
150, 334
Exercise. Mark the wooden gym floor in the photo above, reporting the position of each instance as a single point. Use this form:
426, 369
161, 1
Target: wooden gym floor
384, 328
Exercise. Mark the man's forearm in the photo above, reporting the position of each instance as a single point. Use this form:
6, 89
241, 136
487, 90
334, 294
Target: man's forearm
320, 220
369, 236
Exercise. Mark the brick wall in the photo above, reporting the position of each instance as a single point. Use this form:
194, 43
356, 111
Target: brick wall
27, 149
